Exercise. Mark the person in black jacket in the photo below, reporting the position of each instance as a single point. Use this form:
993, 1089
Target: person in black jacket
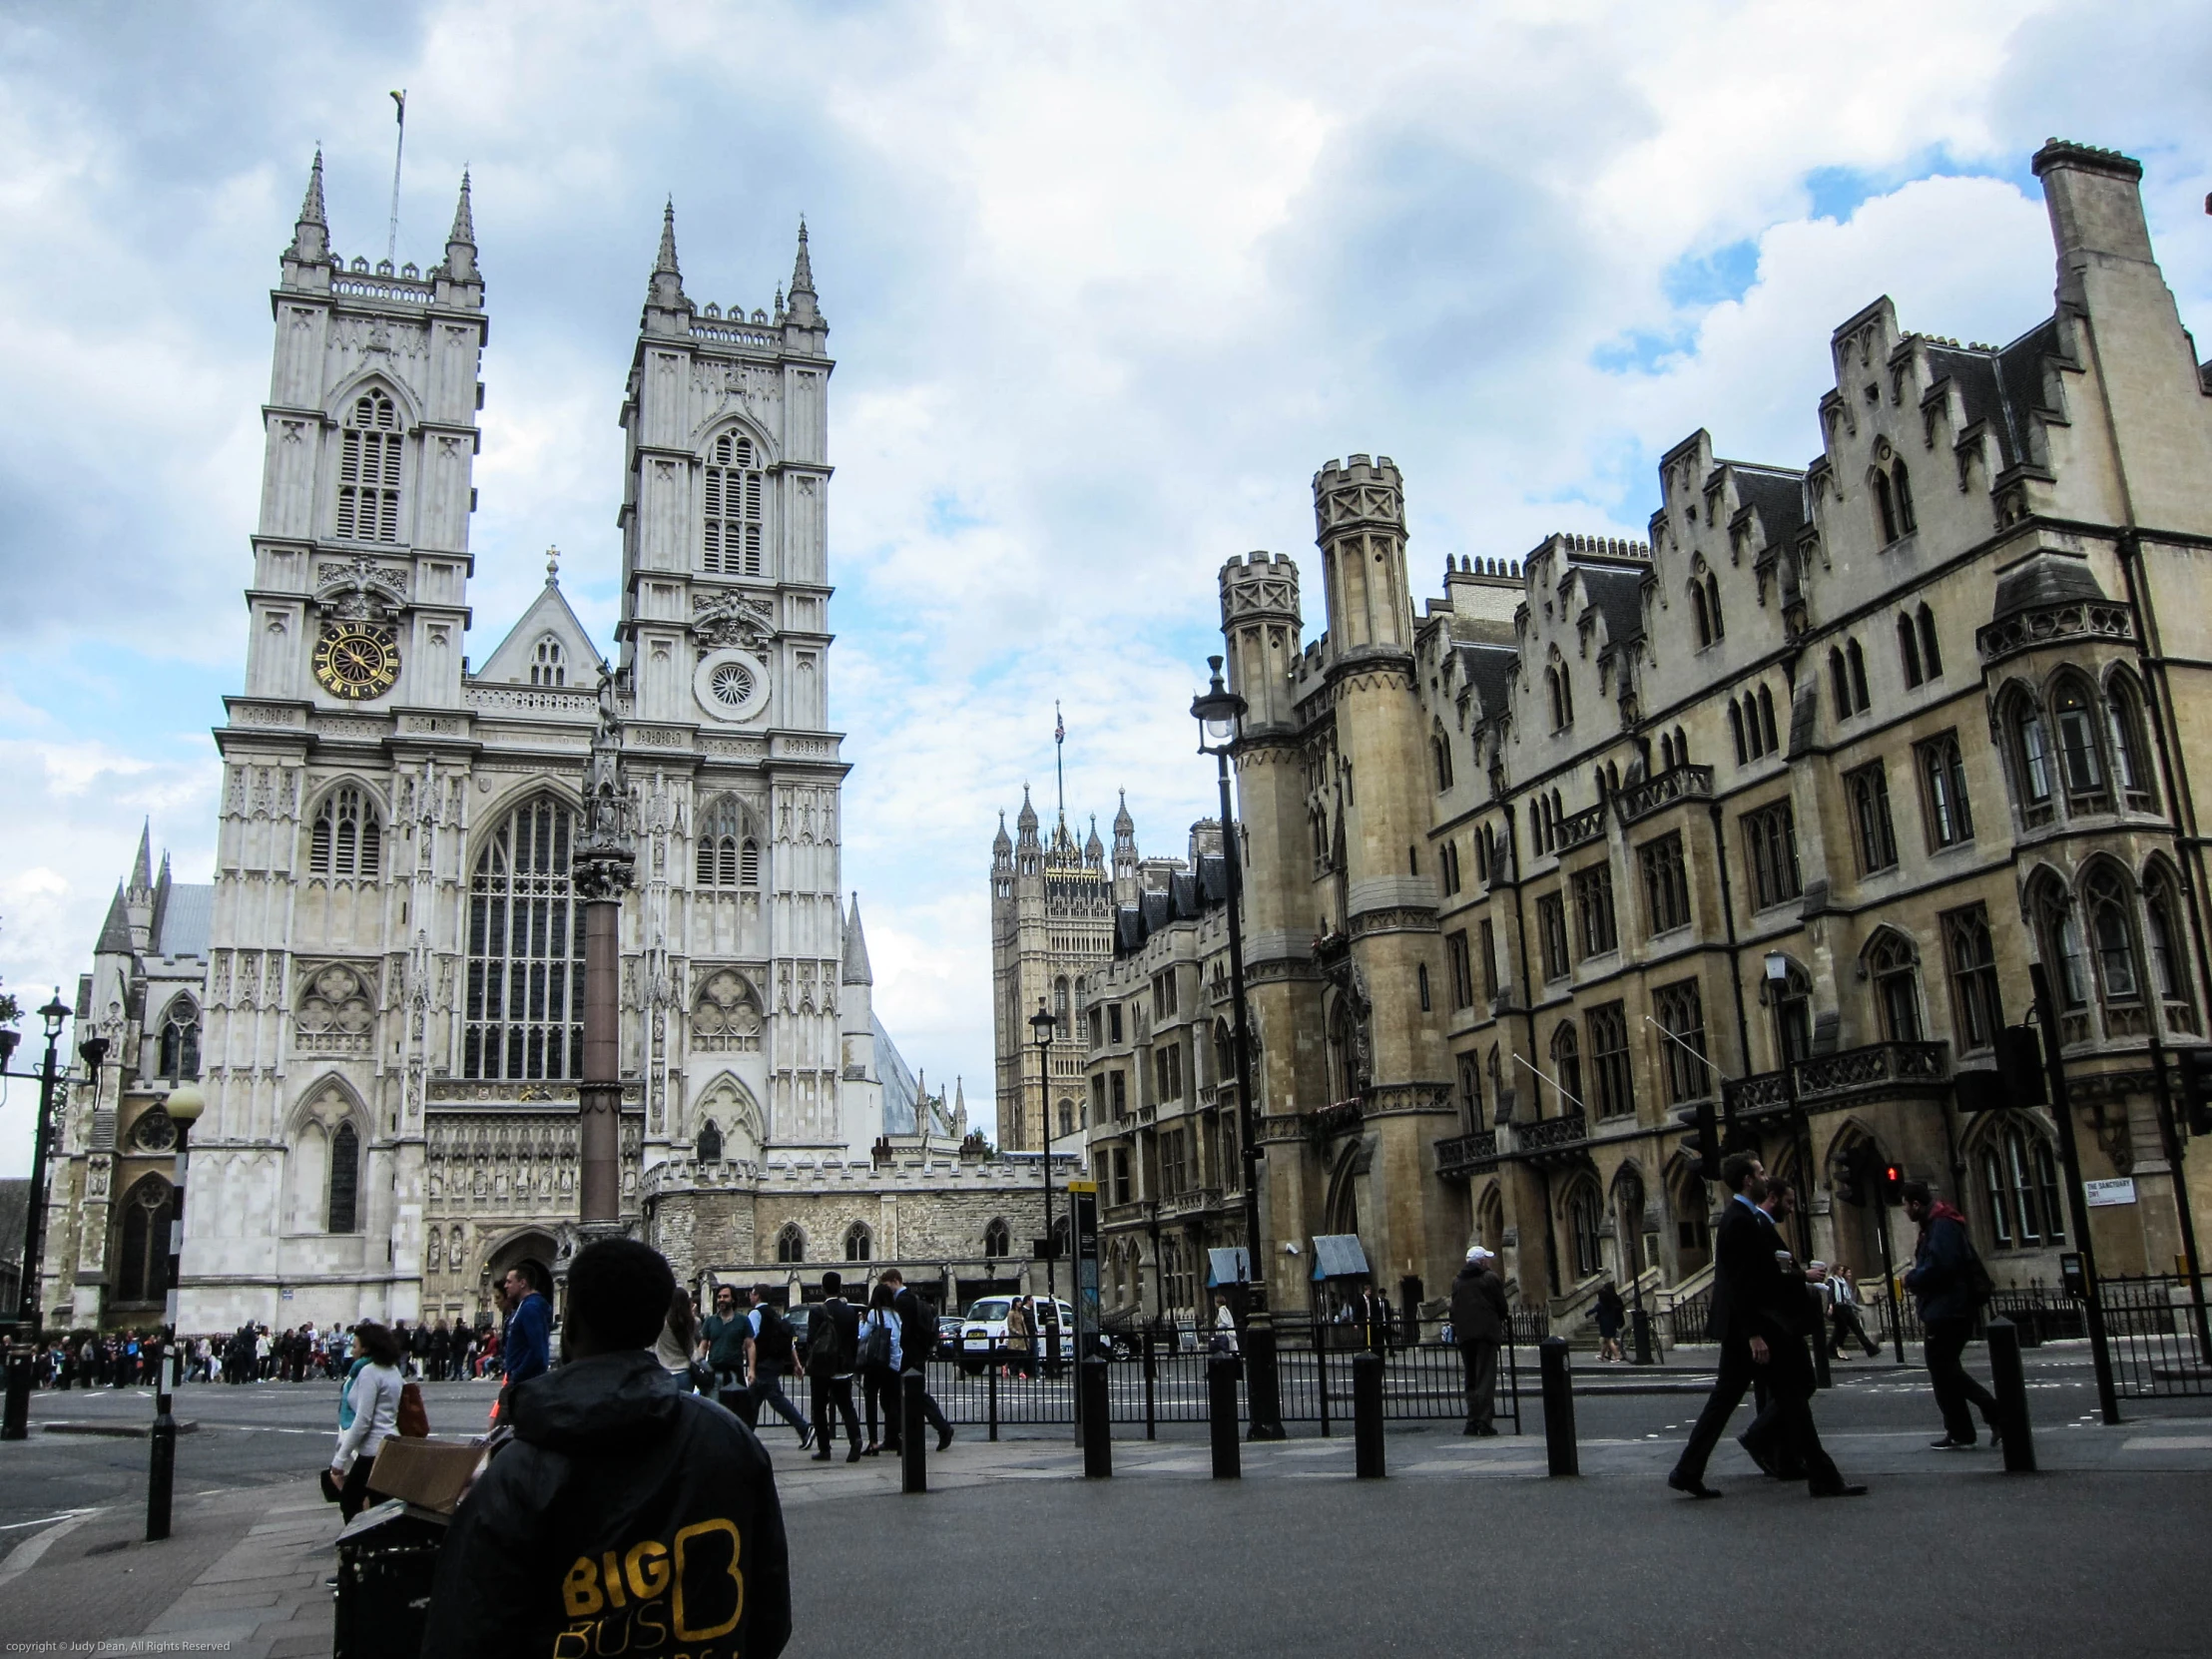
1783, 1439
1478, 1319
625, 1516
1758, 1311
917, 1340
833, 1341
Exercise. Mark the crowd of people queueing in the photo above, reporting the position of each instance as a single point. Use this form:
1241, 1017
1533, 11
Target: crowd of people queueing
434, 1351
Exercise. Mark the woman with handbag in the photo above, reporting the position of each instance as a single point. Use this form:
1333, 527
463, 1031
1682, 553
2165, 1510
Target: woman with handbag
374, 1396
878, 1359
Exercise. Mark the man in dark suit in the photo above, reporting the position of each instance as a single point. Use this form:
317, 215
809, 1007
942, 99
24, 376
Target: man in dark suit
1758, 1314
1743, 1260
1783, 1439
917, 1340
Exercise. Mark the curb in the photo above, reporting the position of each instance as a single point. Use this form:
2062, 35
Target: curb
116, 1430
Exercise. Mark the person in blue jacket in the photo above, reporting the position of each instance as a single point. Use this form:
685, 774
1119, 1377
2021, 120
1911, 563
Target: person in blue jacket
1945, 1278
527, 1343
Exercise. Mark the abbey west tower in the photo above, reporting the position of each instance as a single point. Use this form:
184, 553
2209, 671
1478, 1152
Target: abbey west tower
391, 1020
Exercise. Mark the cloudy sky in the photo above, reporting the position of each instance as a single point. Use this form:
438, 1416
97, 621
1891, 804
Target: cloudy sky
1107, 284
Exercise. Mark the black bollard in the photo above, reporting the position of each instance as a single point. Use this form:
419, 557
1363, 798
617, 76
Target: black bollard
1640, 1322
2011, 1392
1098, 1428
1263, 1380
914, 1436
1821, 1334
1559, 1447
1366, 1416
161, 1479
1221, 1397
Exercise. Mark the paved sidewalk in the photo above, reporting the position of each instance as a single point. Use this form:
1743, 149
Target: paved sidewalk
247, 1572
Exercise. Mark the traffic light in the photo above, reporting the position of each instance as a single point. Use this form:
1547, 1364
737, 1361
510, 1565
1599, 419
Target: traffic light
1892, 1184
1849, 1189
2196, 1088
1708, 1143
2020, 1066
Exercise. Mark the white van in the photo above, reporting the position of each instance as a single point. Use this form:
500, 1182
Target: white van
984, 1329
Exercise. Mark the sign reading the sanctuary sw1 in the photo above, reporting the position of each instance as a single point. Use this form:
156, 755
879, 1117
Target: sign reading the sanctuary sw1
2099, 1193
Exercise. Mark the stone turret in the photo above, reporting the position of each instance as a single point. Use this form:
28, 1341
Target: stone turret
1260, 624
1359, 519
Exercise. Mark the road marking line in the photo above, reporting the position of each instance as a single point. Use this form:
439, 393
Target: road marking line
26, 1554
2168, 1442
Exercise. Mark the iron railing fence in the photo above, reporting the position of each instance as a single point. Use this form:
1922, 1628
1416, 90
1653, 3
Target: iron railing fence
1166, 1381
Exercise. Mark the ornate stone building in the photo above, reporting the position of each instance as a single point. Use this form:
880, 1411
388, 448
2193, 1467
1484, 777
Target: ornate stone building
389, 1005
1052, 921
105, 1251
1808, 780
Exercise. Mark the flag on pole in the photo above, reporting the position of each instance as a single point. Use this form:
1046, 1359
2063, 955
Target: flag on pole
1059, 726
400, 98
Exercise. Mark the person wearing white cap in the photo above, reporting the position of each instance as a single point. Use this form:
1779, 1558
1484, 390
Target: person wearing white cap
1478, 1316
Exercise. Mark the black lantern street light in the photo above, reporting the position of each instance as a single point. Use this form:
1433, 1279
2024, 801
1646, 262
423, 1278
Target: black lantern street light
15, 1421
1220, 715
1043, 1026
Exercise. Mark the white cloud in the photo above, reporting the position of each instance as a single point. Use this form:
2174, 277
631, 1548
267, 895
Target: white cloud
1107, 287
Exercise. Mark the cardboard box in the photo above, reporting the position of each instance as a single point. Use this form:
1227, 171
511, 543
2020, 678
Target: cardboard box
429, 1473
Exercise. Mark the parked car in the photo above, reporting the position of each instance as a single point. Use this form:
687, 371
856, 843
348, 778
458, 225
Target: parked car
984, 1329
800, 1317
948, 1332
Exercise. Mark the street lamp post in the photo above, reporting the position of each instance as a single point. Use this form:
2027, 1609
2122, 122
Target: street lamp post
1220, 714
15, 1422
1043, 1024
1801, 1122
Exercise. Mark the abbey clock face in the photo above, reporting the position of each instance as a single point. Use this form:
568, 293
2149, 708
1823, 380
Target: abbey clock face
356, 661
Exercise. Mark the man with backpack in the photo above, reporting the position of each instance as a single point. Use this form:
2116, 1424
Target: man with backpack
1950, 1283
832, 1342
768, 1358
917, 1340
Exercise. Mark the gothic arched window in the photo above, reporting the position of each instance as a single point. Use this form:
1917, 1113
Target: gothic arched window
721, 826
1896, 972
1583, 1211
2112, 930
1901, 486
526, 995
2124, 716
1736, 731
548, 663
345, 841
1768, 741
2031, 745
998, 1241
710, 1143
180, 1044
341, 1213
2020, 1179
1932, 653
2073, 711
733, 495
142, 1255
790, 1244
1885, 506
369, 470
1909, 650
2164, 940
856, 1242
1566, 1066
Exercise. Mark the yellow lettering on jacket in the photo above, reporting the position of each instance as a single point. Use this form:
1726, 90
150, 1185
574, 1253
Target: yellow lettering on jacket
652, 1630
611, 1576
647, 1564
685, 1632
580, 1589
573, 1644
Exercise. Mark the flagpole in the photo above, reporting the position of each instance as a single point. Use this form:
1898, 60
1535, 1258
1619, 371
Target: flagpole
391, 239
1059, 744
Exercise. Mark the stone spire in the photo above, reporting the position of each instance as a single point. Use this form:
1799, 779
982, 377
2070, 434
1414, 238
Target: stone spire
1094, 850
801, 301
115, 933
857, 970
460, 241
311, 232
664, 289
142, 873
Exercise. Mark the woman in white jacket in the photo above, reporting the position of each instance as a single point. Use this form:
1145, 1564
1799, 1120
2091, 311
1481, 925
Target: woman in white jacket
375, 1396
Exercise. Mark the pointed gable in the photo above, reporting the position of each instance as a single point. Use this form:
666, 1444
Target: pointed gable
548, 617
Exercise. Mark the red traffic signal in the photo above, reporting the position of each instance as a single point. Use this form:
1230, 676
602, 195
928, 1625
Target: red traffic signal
1892, 1183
